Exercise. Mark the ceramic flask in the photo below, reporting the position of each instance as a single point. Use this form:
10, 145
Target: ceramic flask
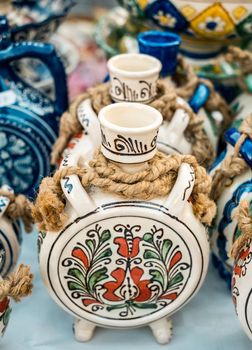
239, 188
10, 237
29, 120
104, 267
241, 283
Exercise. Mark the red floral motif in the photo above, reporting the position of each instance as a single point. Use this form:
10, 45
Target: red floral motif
79, 254
4, 304
124, 249
241, 261
143, 292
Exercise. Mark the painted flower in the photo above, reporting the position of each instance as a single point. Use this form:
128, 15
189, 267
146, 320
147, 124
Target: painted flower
213, 24
165, 19
244, 258
137, 292
16, 163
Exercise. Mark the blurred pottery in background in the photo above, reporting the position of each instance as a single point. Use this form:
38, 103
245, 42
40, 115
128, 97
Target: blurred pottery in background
236, 189
29, 120
205, 27
34, 20
106, 266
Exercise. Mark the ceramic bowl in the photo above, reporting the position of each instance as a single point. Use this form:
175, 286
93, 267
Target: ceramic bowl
214, 20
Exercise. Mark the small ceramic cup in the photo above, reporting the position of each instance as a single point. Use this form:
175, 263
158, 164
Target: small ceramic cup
133, 77
162, 45
129, 132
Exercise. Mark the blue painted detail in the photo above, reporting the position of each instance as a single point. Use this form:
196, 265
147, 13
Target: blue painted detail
231, 136
231, 204
106, 79
199, 98
68, 185
219, 159
211, 25
162, 45
176, 22
224, 274
29, 126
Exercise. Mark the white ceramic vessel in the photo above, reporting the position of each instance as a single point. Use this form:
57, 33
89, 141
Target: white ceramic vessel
239, 188
241, 285
133, 77
10, 237
124, 263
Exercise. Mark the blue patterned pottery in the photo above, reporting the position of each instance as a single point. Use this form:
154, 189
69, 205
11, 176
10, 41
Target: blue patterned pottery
206, 26
36, 20
239, 188
28, 119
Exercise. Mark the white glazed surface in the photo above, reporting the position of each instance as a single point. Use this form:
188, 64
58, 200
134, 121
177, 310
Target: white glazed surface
134, 144
80, 203
133, 77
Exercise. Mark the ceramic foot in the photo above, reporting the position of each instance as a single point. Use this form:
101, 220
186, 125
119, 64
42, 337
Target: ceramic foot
162, 330
83, 330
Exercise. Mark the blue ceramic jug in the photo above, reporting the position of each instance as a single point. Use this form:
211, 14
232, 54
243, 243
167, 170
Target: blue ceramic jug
28, 119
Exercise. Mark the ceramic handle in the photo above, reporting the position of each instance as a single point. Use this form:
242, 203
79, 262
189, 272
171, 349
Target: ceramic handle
90, 123
182, 189
199, 98
46, 54
72, 187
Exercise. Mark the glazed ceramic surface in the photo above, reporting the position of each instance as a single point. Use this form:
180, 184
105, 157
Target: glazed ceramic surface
241, 286
10, 238
124, 263
29, 120
133, 77
223, 21
239, 188
36, 20
5, 311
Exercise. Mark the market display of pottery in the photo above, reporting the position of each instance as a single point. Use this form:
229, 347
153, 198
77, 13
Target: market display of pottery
140, 185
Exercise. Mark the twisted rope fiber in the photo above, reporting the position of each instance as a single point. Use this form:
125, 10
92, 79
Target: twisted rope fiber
244, 220
19, 208
157, 180
244, 59
165, 102
17, 285
234, 164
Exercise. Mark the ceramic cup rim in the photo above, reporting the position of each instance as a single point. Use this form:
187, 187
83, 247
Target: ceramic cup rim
176, 39
157, 65
130, 105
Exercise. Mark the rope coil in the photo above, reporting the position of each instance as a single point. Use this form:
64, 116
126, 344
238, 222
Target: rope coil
157, 180
18, 208
244, 220
234, 164
17, 284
